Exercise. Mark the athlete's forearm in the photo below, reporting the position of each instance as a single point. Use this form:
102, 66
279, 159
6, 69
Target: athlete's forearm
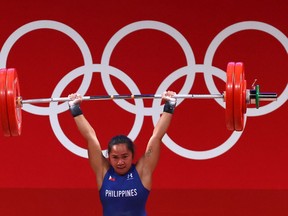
162, 125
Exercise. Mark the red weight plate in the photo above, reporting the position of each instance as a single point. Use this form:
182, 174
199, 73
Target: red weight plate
3, 104
238, 97
244, 92
14, 110
229, 95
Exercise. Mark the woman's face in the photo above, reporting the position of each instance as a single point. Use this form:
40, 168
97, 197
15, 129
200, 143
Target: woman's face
120, 158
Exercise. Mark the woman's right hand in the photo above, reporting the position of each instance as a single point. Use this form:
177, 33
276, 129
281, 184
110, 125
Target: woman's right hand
75, 99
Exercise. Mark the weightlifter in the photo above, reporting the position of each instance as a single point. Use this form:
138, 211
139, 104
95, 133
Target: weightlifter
123, 186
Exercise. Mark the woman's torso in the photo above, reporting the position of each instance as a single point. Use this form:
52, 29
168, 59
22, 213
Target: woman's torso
123, 194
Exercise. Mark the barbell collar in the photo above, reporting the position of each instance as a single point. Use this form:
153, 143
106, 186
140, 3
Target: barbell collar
263, 96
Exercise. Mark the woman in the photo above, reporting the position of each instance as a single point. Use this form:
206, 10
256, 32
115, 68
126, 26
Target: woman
123, 186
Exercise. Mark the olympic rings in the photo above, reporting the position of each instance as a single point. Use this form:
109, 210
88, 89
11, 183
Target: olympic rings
139, 116
46, 24
141, 26
138, 109
241, 26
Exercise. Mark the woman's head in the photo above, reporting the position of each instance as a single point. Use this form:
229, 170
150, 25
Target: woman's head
121, 139
121, 153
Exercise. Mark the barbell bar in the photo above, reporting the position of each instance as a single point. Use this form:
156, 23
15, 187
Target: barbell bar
236, 96
115, 97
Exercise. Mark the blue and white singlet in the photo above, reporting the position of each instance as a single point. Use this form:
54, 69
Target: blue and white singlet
123, 195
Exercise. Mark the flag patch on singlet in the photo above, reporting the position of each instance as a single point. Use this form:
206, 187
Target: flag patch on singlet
111, 178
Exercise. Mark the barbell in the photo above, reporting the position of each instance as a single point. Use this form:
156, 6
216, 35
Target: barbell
236, 96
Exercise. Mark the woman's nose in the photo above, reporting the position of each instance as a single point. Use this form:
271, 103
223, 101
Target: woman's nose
120, 161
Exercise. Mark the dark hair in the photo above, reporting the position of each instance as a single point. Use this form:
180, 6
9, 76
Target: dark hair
121, 139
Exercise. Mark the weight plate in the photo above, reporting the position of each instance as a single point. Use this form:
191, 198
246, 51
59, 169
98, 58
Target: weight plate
3, 104
244, 92
229, 95
238, 97
14, 110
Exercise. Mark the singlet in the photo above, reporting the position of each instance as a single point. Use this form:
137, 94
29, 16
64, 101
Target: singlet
123, 195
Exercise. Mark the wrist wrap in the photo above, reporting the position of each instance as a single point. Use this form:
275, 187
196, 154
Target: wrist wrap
169, 106
75, 110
